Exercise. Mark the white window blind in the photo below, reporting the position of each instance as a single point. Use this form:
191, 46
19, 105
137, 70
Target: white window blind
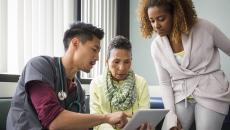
101, 13
29, 28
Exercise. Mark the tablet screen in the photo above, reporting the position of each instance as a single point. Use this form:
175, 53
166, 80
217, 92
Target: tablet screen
151, 116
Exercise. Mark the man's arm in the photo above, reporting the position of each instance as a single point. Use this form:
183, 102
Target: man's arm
76, 121
53, 116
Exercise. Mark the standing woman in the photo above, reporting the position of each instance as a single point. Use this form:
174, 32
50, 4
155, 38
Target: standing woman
186, 56
119, 88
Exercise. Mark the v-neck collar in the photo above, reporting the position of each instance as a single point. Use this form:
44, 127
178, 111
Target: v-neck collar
186, 42
169, 52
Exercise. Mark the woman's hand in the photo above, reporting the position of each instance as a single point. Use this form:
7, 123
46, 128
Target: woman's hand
179, 127
174, 128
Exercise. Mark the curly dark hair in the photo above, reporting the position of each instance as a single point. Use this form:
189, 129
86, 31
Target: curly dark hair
183, 12
119, 42
83, 31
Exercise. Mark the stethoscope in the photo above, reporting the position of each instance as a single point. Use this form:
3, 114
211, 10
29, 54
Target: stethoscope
62, 95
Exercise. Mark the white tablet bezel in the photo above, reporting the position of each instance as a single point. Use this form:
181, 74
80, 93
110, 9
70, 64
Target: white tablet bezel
151, 116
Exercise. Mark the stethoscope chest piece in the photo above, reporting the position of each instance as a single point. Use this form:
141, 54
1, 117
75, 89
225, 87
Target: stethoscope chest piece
62, 95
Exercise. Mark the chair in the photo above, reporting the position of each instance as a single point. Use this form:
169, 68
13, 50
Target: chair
157, 103
4, 108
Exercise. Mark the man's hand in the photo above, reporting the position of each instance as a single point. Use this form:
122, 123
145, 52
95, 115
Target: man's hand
117, 119
145, 126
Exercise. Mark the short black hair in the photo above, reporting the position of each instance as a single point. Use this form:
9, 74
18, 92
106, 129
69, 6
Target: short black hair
84, 31
119, 42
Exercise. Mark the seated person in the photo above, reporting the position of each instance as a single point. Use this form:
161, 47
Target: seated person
119, 88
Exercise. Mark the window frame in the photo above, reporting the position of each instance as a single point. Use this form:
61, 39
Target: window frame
123, 23
9, 77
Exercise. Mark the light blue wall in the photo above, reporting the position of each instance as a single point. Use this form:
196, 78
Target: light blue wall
142, 61
216, 11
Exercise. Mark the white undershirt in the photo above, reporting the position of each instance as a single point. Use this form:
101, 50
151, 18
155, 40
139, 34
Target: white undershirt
179, 57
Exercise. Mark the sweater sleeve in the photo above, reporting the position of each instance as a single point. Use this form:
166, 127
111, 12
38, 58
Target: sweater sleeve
167, 95
95, 105
144, 99
221, 41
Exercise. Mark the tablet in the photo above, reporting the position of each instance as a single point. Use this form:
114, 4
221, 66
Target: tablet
151, 116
